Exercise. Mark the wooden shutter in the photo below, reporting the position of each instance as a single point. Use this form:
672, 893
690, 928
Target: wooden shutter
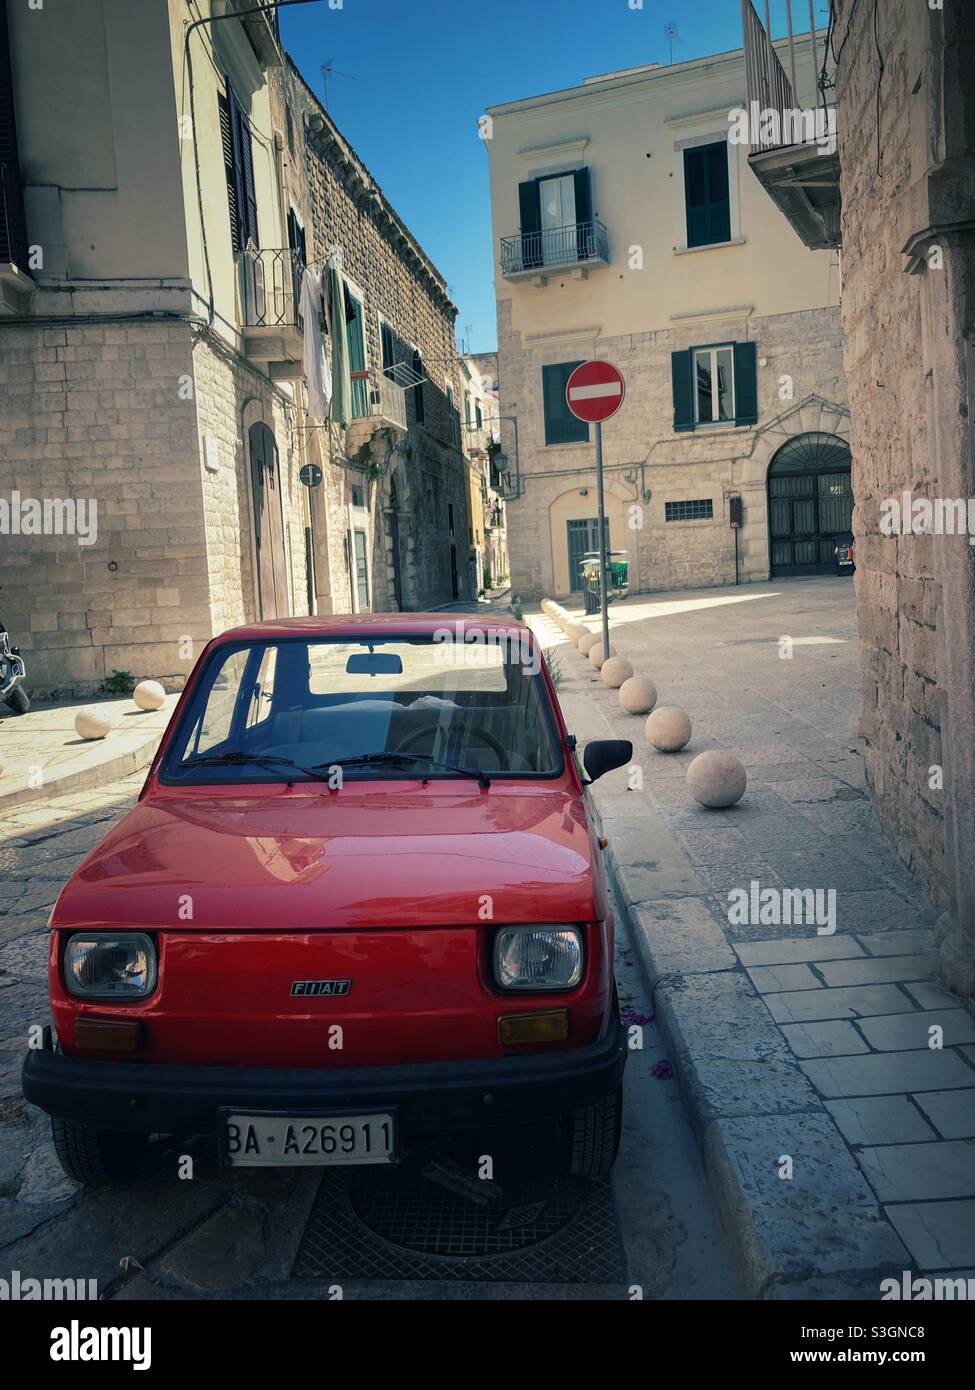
695, 197
682, 376
388, 345
531, 224
13, 234
418, 410
230, 169
561, 426
246, 173
583, 192
719, 206
746, 385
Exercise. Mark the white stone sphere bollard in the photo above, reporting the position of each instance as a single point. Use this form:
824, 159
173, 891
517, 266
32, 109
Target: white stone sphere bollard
597, 655
3, 764
716, 778
149, 695
668, 728
584, 632
587, 643
638, 695
91, 723
615, 671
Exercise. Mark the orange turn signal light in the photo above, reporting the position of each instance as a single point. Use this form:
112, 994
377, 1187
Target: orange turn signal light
551, 1026
108, 1034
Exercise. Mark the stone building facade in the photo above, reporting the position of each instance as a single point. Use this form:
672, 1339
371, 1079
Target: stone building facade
908, 236
132, 374
602, 252
397, 475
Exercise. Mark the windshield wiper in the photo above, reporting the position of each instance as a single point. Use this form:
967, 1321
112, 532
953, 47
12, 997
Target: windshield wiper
362, 759
260, 759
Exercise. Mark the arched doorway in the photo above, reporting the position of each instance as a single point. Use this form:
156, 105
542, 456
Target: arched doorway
272, 571
810, 500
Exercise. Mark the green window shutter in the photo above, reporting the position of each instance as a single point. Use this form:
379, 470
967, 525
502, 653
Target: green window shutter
746, 385
682, 375
561, 426
531, 224
706, 198
719, 204
583, 192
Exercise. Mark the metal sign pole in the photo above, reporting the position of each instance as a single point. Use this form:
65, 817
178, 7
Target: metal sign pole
603, 557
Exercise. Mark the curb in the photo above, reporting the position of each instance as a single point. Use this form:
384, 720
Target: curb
106, 764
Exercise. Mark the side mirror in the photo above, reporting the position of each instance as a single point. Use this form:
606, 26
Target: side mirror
604, 754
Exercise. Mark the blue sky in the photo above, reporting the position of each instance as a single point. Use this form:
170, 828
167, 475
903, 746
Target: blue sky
422, 71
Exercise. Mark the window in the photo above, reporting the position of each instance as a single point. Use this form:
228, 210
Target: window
714, 382
480, 418
561, 426
714, 385
706, 200
357, 495
556, 219
238, 163
387, 342
357, 360
467, 410
701, 509
419, 413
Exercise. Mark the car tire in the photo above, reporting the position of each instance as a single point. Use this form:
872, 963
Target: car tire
594, 1136
98, 1157
17, 700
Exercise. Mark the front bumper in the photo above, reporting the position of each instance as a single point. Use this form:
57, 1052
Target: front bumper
429, 1097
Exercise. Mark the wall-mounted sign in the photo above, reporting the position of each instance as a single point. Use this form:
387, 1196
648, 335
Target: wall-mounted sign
310, 474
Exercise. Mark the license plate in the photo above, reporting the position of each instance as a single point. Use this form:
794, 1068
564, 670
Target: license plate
266, 1139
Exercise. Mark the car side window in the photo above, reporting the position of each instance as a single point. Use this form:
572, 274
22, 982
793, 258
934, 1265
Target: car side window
214, 724
262, 694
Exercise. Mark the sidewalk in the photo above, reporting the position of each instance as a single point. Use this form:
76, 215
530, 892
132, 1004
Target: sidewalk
43, 756
839, 1144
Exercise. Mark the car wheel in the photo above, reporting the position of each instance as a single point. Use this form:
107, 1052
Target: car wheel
97, 1157
17, 700
594, 1136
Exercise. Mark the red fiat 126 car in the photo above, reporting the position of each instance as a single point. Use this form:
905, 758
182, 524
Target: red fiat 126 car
360, 901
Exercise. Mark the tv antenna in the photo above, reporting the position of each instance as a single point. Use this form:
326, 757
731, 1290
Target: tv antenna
670, 33
329, 70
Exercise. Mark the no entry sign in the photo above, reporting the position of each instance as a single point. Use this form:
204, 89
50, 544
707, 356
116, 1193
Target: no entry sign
595, 391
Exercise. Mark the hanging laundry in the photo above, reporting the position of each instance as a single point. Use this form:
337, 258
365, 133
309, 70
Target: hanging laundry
318, 375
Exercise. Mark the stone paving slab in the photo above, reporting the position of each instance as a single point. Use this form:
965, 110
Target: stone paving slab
952, 1112
852, 1002
773, 979
903, 1032
808, 948
836, 1038
883, 970
921, 1172
880, 1120
939, 1235
888, 1073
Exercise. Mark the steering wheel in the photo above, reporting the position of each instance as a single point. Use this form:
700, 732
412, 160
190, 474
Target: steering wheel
478, 731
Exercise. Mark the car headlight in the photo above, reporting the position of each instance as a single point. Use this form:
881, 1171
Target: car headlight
538, 958
110, 965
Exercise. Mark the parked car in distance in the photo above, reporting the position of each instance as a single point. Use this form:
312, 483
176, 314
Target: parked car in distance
843, 552
360, 901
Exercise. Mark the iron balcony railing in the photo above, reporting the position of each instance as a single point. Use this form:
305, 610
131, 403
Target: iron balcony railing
775, 118
269, 288
574, 244
376, 396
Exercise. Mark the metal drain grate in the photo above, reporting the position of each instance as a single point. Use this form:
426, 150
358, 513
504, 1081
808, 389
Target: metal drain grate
431, 1220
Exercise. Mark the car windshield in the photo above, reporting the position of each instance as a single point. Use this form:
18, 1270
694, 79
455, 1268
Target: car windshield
437, 705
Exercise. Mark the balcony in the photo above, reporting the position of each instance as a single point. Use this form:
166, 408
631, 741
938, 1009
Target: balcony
792, 149
268, 295
378, 404
537, 255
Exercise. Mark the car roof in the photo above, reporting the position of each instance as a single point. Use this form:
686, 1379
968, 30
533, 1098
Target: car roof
361, 624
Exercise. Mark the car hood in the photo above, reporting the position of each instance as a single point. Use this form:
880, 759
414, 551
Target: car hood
370, 855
